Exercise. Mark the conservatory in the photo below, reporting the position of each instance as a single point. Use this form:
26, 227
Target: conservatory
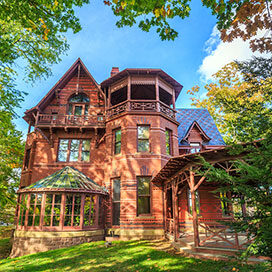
64, 201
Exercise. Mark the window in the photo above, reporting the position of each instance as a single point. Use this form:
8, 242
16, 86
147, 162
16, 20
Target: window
89, 211
116, 185
168, 134
22, 211
143, 195
195, 147
225, 205
72, 210
27, 159
52, 210
74, 150
78, 104
117, 141
190, 205
143, 138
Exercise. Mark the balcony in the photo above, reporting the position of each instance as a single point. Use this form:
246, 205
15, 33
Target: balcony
59, 120
141, 106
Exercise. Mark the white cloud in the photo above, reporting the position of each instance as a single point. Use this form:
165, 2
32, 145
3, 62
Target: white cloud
220, 54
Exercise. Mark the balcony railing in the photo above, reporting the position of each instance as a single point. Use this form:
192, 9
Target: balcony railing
60, 120
144, 105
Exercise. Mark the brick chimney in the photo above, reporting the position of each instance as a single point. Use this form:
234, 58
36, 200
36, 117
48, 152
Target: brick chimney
114, 71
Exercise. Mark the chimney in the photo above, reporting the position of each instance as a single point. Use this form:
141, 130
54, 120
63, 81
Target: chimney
114, 71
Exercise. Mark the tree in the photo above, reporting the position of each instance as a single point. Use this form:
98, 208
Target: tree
30, 32
240, 101
238, 18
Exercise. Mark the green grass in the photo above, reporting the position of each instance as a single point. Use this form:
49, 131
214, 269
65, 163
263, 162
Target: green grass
131, 256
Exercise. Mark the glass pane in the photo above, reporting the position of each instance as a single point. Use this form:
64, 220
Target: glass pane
86, 210
68, 221
86, 145
143, 185
85, 156
143, 205
39, 199
74, 150
57, 199
78, 110
81, 98
86, 110
63, 147
117, 148
143, 132
167, 141
47, 220
116, 190
62, 156
143, 145
70, 110
37, 221
116, 213
118, 135
30, 220
32, 199
49, 198
76, 220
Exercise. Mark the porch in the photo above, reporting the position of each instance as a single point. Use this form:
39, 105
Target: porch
194, 214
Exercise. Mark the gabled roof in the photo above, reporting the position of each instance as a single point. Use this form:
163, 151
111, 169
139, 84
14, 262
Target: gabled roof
205, 137
144, 71
67, 179
61, 83
189, 117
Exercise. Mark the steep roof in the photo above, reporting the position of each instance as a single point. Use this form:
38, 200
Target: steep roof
71, 71
187, 117
66, 179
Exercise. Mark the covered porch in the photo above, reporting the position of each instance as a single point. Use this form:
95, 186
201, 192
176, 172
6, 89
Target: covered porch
193, 212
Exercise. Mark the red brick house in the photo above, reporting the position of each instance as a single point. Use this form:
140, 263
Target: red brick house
101, 160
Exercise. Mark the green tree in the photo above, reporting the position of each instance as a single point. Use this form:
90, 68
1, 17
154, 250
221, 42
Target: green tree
238, 18
240, 101
31, 33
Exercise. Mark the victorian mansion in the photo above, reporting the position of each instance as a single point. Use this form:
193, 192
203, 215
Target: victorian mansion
100, 160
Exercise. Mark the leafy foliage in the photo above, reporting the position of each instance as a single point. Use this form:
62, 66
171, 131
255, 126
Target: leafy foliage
240, 100
30, 35
242, 18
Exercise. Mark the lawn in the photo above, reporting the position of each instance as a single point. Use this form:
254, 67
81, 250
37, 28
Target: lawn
131, 256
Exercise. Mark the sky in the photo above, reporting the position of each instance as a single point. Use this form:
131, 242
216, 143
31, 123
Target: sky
191, 59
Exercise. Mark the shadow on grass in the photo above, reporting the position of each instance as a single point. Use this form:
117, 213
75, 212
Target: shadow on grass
121, 256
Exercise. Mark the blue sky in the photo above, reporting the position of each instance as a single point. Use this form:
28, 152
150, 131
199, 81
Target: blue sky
190, 59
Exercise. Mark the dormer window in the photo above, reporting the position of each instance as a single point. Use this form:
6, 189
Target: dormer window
78, 104
195, 147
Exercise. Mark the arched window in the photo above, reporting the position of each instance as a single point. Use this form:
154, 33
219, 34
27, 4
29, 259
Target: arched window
78, 104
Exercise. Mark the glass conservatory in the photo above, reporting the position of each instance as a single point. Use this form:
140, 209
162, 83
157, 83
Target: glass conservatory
65, 200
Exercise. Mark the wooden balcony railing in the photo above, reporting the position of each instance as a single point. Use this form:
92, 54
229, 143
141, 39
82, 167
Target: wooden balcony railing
60, 120
143, 105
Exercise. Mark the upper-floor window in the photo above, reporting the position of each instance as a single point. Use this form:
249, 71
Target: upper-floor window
73, 150
143, 138
78, 104
195, 147
143, 195
117, 141
27, 159
168, 144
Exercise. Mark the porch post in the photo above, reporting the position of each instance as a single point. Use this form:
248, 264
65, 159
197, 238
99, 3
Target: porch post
195, 219
175, 210
164, 206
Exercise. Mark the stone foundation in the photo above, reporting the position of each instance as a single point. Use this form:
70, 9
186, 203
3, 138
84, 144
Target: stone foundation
128, 234
28, 242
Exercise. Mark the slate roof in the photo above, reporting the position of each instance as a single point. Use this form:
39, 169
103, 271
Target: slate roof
67, 179
186, 117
